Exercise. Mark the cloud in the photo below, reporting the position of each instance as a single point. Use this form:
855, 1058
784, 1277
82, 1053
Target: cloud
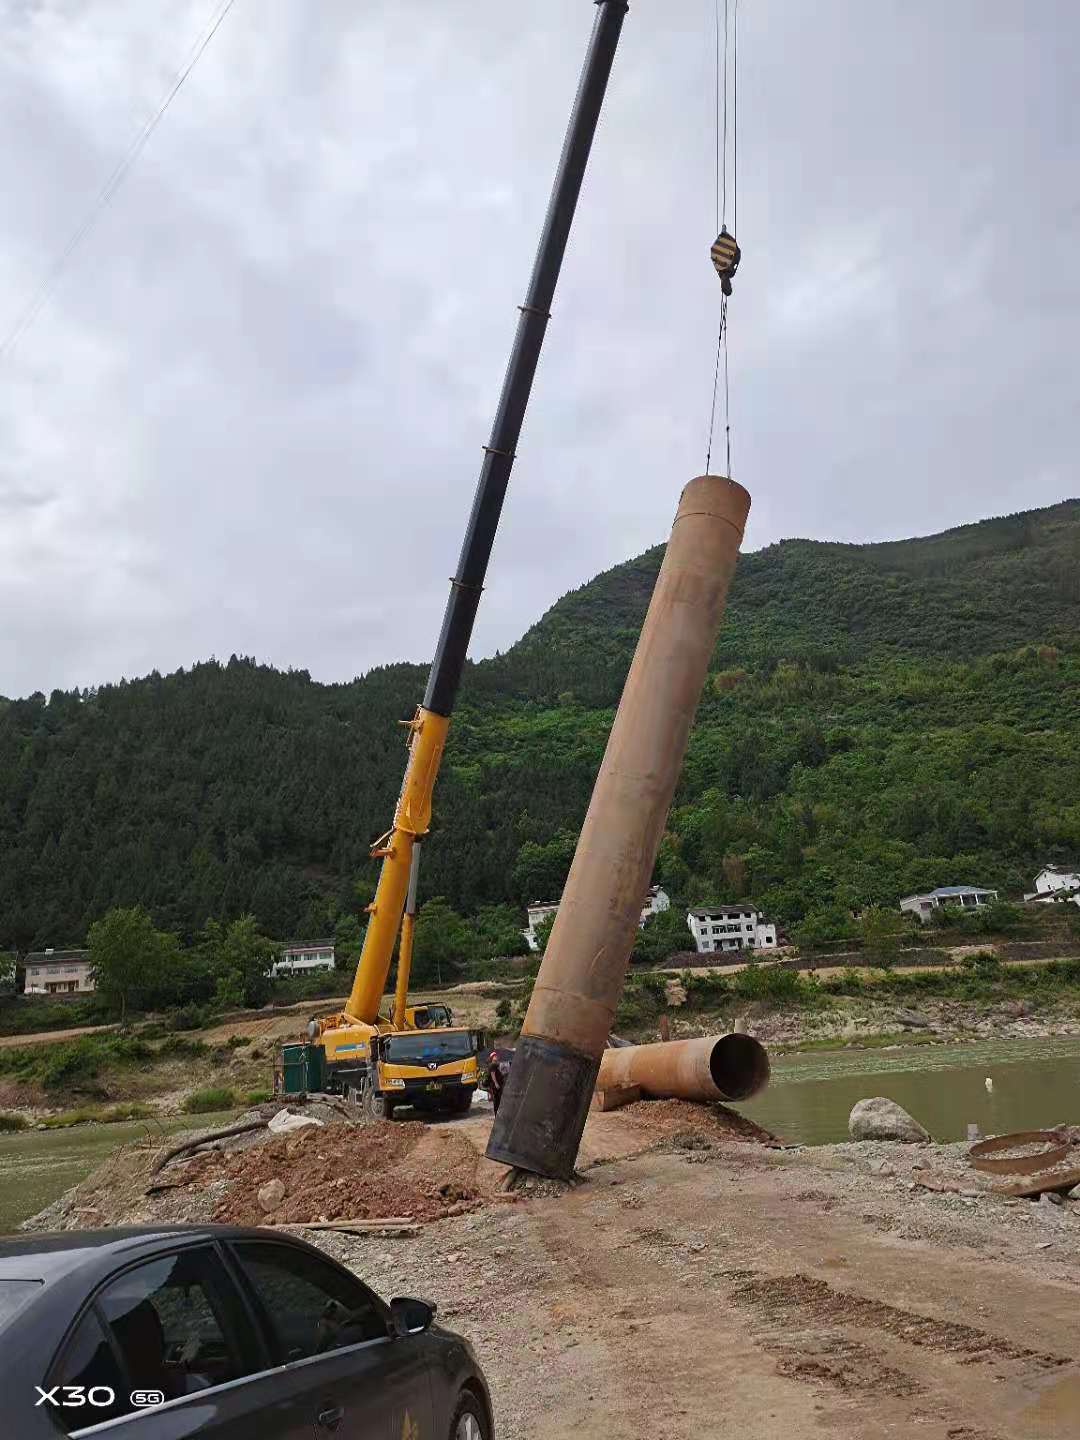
250, 418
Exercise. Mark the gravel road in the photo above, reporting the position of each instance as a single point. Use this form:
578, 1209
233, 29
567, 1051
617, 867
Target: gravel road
733, 1290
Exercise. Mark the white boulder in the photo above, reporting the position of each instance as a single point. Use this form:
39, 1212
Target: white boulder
881, 1119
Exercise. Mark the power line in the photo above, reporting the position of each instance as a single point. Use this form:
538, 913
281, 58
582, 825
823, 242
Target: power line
108, 190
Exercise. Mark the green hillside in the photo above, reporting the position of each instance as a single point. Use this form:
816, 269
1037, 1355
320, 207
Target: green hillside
878, 718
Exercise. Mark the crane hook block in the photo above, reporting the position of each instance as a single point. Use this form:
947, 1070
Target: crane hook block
726, 255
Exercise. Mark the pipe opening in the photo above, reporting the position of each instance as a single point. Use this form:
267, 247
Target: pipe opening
739, 1066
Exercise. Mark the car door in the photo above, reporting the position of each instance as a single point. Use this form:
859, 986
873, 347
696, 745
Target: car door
169, 1349
332, 1338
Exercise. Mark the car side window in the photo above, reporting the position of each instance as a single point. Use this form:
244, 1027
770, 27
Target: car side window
168, 1323
88, 1375
313, 1306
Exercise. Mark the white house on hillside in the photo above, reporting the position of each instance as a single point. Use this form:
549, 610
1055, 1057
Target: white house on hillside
1054, 883
959, 897
58, 972
655, 901
730, 927
300, 956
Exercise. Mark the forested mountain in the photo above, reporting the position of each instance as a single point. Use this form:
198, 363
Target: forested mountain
878, 718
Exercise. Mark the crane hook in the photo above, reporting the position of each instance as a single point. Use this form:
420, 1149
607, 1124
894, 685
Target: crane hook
726, 255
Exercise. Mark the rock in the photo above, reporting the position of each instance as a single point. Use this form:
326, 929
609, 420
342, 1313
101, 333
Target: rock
1050, 1197
913, 1020
284, 1121
882, 1119
90, 1218
885, 1168
1018, 1008
271, 1195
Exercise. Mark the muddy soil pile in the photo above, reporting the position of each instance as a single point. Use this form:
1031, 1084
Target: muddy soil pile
372, 1172
668, 1119
342, 1169
335, 1170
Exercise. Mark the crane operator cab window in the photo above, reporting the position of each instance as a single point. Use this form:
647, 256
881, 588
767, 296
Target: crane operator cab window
426, 1047
425, 1017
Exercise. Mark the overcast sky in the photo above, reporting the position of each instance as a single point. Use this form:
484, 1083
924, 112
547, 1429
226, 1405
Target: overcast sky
250, 417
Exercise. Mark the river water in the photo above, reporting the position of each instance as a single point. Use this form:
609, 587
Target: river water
1036, 1084
38, 1165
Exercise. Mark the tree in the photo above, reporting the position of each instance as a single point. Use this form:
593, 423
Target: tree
543, 933
540, 871
129, 959
441, 941
734, 867
822, 928
241, 960
663, 934
348, 943
880, 932
497, 931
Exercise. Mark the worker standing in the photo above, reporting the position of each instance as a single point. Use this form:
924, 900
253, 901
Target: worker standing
498, 1074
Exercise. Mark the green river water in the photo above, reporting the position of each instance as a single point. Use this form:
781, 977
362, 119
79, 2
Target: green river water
1036, 1084
39, 1165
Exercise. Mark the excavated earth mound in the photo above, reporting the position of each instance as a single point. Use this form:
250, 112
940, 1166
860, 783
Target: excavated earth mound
344, 1170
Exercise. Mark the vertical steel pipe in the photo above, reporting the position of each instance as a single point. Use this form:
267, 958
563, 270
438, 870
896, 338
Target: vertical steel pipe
543, 1111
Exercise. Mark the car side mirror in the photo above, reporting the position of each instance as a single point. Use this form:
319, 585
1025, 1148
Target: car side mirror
409, 1316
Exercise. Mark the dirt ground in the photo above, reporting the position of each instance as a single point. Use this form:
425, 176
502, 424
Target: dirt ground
761, 1294
699, 1282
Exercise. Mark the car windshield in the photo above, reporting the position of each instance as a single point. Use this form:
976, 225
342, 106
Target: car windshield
426, 1046
14, 1294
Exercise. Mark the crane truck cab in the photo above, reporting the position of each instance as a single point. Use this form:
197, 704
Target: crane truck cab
433, 1068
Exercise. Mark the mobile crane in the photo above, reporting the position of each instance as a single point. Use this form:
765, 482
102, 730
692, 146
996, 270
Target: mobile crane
392, 1059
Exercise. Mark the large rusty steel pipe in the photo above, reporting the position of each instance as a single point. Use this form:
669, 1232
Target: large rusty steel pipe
542, 1113
731, 1067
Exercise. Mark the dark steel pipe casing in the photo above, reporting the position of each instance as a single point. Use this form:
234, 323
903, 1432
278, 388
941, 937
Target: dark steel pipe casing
457, 626
542, 1113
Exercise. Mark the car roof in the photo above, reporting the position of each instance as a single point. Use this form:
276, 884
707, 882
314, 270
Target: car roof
53, 1253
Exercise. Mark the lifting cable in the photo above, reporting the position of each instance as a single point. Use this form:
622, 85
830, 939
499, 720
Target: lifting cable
53, 275
725, 250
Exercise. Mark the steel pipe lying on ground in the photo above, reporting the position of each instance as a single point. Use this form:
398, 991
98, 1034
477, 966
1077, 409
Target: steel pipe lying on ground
542, 1113
731, 1067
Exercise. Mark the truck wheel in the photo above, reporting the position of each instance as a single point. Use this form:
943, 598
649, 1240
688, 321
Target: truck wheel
380, 1107
463, 1101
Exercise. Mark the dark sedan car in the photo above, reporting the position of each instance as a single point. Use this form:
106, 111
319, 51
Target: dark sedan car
158, 1333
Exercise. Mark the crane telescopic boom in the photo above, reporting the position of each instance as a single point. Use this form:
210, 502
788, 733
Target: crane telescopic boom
428, 727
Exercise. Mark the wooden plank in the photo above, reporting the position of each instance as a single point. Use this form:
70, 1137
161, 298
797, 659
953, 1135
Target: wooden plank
392, 1224
613, 1096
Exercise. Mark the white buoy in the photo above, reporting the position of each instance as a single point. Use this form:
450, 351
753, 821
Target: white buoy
989, 1085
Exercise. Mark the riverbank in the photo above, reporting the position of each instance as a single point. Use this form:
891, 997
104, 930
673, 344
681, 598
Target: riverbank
786, 1010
